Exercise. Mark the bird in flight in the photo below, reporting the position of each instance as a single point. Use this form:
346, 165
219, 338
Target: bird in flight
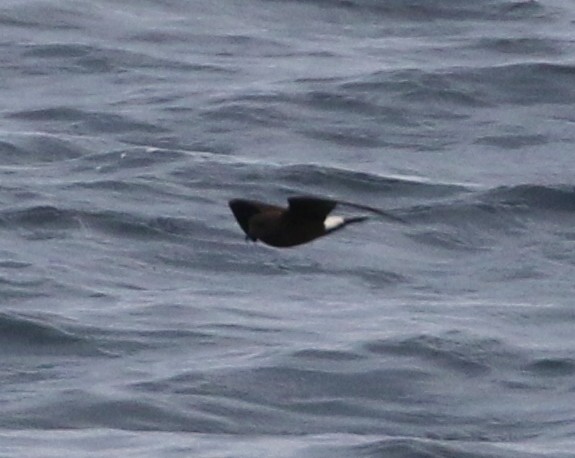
305, 219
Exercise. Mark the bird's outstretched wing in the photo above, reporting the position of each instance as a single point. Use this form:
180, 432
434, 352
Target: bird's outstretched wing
311, 207
376, 211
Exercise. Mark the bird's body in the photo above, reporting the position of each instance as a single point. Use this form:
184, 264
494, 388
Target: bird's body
305, 219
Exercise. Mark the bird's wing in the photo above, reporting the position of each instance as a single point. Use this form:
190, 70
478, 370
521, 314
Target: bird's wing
243, 210
376, 211
314, 206
310, 207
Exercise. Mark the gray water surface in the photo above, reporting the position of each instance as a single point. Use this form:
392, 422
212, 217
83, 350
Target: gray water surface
135, 320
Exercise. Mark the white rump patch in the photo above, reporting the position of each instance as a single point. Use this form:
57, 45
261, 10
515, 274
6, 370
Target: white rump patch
332, 222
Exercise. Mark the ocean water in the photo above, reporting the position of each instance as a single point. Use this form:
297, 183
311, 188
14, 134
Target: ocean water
135, 321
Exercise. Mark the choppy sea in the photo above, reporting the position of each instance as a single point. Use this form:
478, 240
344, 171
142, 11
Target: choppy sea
135, 321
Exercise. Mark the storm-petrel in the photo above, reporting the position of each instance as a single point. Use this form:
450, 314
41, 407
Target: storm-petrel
305, 219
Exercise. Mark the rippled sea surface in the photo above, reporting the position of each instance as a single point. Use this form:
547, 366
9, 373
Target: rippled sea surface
135, 321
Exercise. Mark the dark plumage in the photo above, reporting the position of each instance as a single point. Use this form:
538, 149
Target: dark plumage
305, 219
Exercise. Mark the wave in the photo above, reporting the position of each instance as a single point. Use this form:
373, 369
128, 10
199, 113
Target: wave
418, 10
530, 197
543, 47
525, 201
322, 177
526, 83
458, 445
80, 409
36, 149
47, 221
467, 355
349, 111
90, 122
20, 334
523, 83
478, 221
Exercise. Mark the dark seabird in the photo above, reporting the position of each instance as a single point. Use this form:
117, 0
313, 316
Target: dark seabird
305, 219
